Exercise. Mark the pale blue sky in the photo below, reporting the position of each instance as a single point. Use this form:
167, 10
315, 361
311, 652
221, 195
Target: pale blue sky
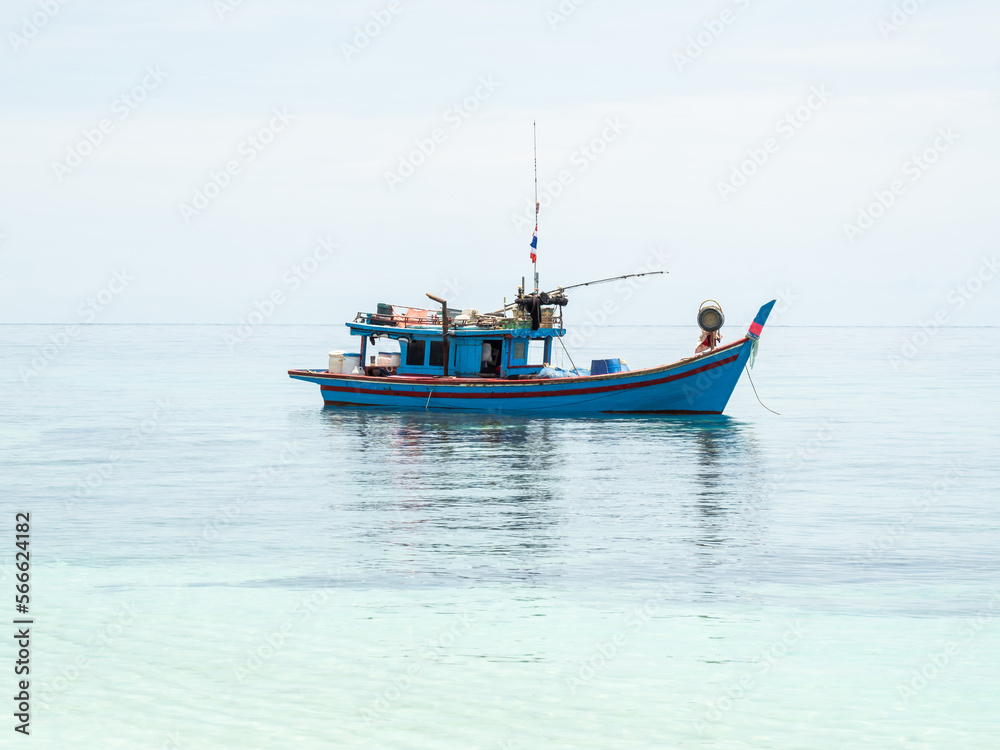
218, 77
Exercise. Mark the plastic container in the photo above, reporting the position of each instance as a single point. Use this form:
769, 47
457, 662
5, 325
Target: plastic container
387, 359
336, 362
352, 364
605, 366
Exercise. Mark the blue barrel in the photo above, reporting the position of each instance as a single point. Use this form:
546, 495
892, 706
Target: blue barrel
605, 366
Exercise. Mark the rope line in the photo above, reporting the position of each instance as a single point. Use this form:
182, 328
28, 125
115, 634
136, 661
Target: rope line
567, 352
755, 392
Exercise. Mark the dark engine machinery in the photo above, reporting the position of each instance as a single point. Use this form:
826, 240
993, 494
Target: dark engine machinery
532, 304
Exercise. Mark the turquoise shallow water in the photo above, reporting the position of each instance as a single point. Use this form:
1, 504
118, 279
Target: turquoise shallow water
219, 562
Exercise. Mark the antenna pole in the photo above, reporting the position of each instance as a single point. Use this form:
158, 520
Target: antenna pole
534, 256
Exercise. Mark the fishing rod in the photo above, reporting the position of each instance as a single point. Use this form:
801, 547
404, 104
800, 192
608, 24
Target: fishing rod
605, 281
559, 292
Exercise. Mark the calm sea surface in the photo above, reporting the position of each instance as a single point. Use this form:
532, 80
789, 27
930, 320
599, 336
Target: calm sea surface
220, 562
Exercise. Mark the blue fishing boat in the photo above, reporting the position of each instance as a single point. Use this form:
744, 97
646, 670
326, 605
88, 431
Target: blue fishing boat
462, 360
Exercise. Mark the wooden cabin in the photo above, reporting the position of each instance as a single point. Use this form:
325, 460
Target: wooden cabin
475, 346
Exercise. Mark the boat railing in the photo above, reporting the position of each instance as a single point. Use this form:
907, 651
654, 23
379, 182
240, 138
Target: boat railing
399, 316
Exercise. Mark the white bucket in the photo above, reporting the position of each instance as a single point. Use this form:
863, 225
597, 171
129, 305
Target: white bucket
336, 362
388, 359
352, 364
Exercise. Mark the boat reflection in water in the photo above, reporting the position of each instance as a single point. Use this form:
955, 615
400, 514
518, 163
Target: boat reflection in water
728, 532
440, 498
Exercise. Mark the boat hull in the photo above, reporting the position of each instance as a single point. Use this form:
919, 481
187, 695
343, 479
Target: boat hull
698, 385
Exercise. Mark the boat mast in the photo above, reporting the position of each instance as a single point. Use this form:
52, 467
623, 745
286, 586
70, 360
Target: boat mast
534, 254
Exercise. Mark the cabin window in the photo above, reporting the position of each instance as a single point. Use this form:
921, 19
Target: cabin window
415, 353
520, 350
536, 352
437, 354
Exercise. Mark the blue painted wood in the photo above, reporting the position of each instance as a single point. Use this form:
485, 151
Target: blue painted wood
468, 357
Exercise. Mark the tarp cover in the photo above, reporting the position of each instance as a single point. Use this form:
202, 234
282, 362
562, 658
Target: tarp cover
558, 372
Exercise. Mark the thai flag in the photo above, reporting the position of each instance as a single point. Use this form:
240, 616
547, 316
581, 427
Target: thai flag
534, 245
